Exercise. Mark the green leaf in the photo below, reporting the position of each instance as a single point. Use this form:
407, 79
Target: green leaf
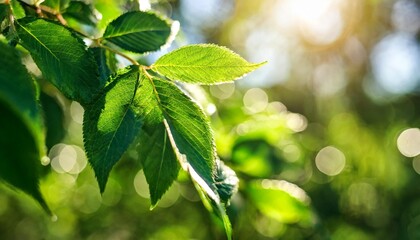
187, 127
22, 140
111, 124
203, 64
138, 32
181, 130
281, 200
57, 5
62, 58
17, 9
4, 11
157, 156
81, 12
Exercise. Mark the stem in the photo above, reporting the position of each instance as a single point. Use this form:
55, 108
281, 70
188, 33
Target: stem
11, 18
61, 19
117, 52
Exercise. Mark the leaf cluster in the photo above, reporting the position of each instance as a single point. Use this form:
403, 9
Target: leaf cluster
137, 105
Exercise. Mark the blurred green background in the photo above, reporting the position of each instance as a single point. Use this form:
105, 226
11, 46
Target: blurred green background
324, 138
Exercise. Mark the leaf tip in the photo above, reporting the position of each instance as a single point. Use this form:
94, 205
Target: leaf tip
153, 206
257, 65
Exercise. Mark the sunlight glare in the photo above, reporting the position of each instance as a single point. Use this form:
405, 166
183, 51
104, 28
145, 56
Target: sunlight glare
321, 21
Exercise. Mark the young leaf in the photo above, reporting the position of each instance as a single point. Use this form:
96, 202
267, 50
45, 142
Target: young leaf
280, 200
203, 64
110, 123
62, 58
21, 141
81, 12
138, 32
180, 129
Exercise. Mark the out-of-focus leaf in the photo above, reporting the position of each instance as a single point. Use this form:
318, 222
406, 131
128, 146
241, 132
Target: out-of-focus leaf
109, 9
138, 32
57, 5
62, 58
111, 123
255, 157
17, 9
82, 12
226, 181
22, 140
53, 118
4, 11
203, 64
280, 200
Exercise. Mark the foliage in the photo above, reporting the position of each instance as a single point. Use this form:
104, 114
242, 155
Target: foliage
314, 145
138, 105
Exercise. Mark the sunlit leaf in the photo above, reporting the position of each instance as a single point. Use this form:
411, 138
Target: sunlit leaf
188, 127
203, 64
179, 124
280, 200
62, 58
138, 32
111, 124
158, 158
22, 140
82, 12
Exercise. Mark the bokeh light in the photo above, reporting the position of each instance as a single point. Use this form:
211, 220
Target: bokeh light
408, 142
67, 158
222, 91
330, 161
395, 60
255, 100
296, 122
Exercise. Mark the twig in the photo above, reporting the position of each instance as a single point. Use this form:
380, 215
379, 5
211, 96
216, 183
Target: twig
119, 53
